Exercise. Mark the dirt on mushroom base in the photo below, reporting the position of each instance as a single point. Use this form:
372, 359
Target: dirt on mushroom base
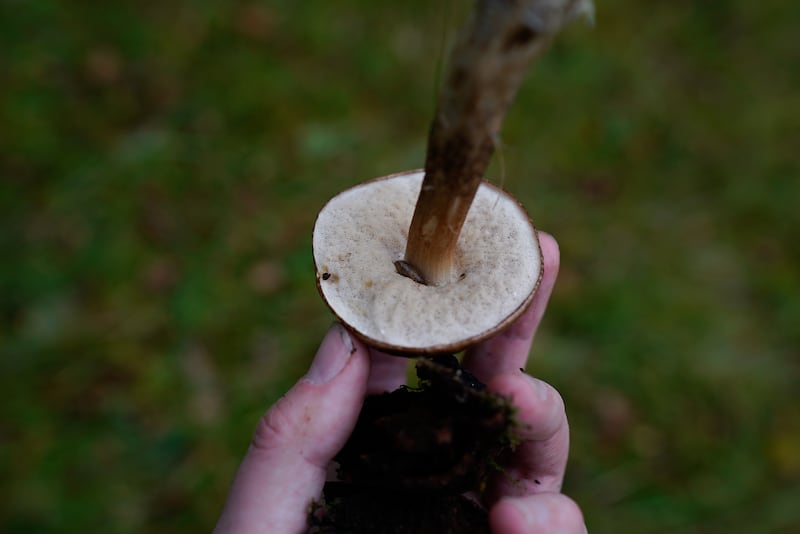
413, 454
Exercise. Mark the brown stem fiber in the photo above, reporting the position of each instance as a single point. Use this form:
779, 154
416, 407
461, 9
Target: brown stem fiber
486, 68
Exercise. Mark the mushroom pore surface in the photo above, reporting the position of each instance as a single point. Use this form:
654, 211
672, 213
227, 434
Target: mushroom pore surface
362, 232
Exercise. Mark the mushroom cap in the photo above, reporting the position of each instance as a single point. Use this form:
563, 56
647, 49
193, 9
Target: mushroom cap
360, 234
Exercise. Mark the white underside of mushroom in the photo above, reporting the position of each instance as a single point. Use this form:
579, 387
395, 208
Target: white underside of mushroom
361, 232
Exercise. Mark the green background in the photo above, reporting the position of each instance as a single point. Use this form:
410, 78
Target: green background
161, 165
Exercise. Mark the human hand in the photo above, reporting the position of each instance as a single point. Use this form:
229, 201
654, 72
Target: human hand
527, 497
286, 464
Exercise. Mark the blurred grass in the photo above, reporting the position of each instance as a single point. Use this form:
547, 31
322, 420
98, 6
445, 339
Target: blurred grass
161, 165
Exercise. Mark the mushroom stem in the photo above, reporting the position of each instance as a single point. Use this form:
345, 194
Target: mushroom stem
487, 67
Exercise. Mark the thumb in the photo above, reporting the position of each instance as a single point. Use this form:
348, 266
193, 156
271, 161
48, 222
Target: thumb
284, 468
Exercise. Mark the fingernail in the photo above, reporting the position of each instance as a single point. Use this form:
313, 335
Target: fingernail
333, 354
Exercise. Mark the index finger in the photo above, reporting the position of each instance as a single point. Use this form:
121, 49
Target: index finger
508, 351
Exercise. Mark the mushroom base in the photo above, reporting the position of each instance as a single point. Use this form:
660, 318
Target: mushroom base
413, 454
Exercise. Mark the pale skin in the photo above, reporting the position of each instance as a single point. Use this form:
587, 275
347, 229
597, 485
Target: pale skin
286, 464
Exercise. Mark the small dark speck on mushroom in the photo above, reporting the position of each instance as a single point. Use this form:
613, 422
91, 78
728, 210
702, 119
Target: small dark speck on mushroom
462, 276
537, 482
325, 276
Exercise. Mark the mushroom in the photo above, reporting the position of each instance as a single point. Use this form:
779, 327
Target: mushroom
432, 261
361, 233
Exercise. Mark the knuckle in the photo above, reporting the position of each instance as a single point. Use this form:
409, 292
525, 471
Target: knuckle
567, 517
553, 411
275, 428
559, 408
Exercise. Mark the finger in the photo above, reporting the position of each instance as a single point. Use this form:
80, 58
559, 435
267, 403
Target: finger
508, 350
538, 463
551, 513
386, 372
284, 468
